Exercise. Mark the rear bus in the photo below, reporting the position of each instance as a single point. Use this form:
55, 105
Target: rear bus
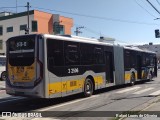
25, 66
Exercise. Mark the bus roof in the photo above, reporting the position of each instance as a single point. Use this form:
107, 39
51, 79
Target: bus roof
88, 40
78, 39
94, 41
138, 49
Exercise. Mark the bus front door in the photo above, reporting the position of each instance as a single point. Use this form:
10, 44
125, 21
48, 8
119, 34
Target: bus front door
109, 67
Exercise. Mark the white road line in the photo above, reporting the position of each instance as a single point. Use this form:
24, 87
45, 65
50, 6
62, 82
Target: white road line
11, 100
68, 103
155, 93
142, 91
128, 89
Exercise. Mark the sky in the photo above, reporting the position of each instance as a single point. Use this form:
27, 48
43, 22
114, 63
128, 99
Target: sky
127, 21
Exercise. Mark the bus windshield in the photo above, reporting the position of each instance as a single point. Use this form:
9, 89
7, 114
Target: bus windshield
21, 50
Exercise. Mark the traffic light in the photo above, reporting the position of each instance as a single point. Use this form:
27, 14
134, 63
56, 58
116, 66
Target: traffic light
26, 31
157, 34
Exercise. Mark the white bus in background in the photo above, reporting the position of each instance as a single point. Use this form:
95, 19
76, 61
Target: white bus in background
2, 67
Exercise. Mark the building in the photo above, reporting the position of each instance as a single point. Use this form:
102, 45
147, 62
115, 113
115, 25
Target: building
5, 14
39, 22
152, 47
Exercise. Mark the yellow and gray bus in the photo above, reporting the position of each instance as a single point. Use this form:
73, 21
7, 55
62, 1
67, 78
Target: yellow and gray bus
49, 66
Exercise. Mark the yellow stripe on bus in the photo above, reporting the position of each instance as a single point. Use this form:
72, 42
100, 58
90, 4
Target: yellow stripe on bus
65, 86
98, 80
70, 85
128, 76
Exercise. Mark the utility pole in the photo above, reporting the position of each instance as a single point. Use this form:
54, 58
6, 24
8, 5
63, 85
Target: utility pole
27, 29
16, 6
78, 30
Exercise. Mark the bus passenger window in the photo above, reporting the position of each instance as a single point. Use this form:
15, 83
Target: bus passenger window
72, 53
55, 53
151, 61
99, 56
87, 54
147, 61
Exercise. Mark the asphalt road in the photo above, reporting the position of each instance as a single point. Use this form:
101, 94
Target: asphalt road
104, 104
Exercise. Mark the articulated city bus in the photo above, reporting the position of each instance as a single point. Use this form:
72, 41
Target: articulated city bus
49, 66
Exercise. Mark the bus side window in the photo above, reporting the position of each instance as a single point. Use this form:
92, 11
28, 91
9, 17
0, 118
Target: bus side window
143, 60
72, 56
133, 59
147, 61
55, 53
98, 55
87, 54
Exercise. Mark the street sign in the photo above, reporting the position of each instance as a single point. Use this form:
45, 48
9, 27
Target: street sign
157, 34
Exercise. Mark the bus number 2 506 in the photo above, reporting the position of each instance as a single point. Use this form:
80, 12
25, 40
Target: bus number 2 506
73, 70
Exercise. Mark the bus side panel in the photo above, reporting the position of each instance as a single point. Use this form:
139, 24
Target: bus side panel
72, 84
54, 86
119, 65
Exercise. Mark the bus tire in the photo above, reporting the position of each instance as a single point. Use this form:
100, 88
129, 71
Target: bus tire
132, 79
88, 87
3, 75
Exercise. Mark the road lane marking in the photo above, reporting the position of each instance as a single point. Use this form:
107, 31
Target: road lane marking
68, 103
142, 91
155, 93
10, 100
128, 89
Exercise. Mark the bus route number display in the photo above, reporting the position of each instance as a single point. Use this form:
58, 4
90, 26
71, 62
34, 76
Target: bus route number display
21, 44
73, 70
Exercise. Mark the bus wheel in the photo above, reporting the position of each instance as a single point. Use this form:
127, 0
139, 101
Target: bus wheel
88, 87
132, 81
3, 75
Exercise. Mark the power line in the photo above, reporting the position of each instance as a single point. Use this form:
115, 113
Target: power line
85, 28
91, 31
6, 7
98, 33
144, 9
98, 17
11, 7
158, 2
153, 6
